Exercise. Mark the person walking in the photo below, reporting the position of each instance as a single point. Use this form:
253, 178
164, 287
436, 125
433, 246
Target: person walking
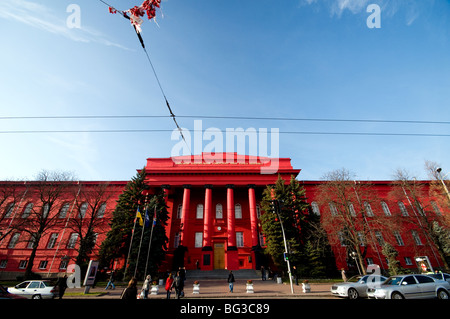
111, 281
230, 280
178, 284
263, 273
146, 286
344, 276
62, 285
130, 292
169, 285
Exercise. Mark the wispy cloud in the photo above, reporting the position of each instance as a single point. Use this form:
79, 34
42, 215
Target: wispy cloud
41, 17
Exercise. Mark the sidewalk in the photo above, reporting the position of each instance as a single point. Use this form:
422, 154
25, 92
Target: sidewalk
214, 288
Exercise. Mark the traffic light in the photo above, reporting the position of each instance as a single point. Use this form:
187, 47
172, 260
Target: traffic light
286, 256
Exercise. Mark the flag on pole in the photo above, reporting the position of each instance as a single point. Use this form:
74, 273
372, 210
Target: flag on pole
154, 217
139, 216
146, 218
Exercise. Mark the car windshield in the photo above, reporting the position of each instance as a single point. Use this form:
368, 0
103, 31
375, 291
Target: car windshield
354, 279
393, 281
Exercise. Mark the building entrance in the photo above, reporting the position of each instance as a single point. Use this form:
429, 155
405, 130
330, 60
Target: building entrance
219, 256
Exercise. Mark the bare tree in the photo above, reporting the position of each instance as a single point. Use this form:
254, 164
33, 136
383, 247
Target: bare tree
407, 187
11, 195
88, 222
351, 220
46, 193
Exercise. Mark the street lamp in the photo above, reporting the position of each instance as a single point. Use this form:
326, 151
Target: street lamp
353, 254
275, 206
442, 181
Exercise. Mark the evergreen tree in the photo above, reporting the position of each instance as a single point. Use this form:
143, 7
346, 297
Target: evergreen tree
292, 210
391, 255
118, 239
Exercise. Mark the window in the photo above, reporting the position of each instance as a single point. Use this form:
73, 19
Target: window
352, 209
403, 209
258, 211
436, 209
416, 237
63, 211
3, 263
27, 210
237, 211
408, 261
83, 209
45, 210
101, 211
199, 240
385, 208
379, 237
342, 239
219, 211
9, 210
14, 240
409, 281
64, 263
32, 240
424, 279
369, 261
398, 238
369, 210
43, 264
177, 240
361, 238
239, 239
180, 211
52, 241
262, 241
72, 241
333, 209
199, 214
315, 208
23, 264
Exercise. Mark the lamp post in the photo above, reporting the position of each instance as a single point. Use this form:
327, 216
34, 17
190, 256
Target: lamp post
286, 253
442, 181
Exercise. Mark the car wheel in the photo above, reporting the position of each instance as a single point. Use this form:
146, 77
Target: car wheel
442, 294
352, 294
36, 297
397, 295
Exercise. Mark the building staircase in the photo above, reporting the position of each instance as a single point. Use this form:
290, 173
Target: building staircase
223, 274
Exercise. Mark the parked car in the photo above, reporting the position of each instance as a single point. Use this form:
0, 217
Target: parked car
5, 294
411, 286
35, 289
356, 286
441, 276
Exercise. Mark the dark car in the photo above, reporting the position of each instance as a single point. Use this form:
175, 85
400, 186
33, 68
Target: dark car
5, 294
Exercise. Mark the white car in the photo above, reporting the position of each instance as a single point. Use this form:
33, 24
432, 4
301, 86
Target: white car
356, 286
411, 286
34, 289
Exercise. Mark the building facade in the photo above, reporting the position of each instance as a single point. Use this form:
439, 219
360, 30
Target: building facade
214, 208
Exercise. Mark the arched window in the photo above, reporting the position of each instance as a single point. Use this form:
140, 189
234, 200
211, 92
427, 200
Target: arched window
219, 211
101, 211
27, 210
237, 211
63, 211
386, 210
199, 214
315, 208
83, 209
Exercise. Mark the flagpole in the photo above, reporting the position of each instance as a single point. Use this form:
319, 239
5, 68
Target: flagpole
131, 244
151, 236
140, 243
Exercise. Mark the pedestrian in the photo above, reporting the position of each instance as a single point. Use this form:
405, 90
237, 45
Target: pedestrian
294, 273
263, 273
146, 287
111, 281
344, 277
62, 285
130, 292
178, 284
230, 280
169, 285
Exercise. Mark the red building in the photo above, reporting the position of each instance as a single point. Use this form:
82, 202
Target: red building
214, 207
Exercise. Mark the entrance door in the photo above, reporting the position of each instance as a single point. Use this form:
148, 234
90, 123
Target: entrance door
219, 256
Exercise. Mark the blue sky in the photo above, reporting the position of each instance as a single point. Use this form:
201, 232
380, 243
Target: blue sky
309, 59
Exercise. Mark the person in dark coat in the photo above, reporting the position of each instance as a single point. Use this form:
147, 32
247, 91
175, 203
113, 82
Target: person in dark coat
130, 293
178, 284
230, 280
62, 285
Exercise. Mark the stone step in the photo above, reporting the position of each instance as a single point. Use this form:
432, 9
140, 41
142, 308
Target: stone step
223, 274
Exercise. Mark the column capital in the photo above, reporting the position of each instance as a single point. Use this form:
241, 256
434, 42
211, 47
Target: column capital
208, 186
187, 186
165, 186
229, 186
251, 186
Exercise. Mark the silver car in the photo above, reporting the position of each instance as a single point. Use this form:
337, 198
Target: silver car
411, 286
34, 289
441, 276
356, 286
